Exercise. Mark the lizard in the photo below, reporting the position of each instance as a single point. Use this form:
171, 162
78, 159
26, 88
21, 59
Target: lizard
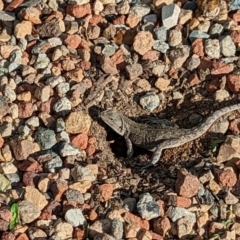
157, 138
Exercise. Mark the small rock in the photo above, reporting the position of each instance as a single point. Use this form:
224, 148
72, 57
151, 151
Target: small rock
175, 38
62, 230
162, 226
22, 29
228, 47
8, 168
80, 141
233, 82
212, 48
162, 84
148, 207
185, 15
42, 61
137, 221
161, 33
117, 229
7, 16
108, 66
67, 149
54, 164
28, 211
160, 46
134, 70
22, 148
227, 178
79, 11
216, 29
43, 93
73, 41
150, 101
236, 209
33, 196
82, 174
187, 185
129, 204
46, 138
31, 14
62, 106
75, 217
100, 226
143, 42
195, 34
230, 199
184, 226
170, 14
74, 196
179, 55
78, 122
106, 191
175, 213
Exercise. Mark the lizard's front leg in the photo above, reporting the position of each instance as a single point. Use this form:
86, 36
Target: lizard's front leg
129, 146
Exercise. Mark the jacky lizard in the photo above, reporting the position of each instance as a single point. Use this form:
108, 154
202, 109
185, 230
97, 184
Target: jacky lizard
154, 138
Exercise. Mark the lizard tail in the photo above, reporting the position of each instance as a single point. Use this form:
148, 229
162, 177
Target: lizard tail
200, 130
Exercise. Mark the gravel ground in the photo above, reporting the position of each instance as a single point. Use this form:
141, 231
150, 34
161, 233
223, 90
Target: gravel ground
64, 173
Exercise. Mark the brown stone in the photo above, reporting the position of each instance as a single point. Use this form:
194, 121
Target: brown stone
22, 29
22, 236
233, 83
205, 63
162, 84
187, 185
5, 50
236, 16
162, 226
143, 42
227, 178
12, 5
80, 141
198, 47
79, 11
132, 21
30, 166
137, 221
134, 70
106, 191
151, 55
21, 148
25, 109
75, 75
235, 126
183, 202
5, 214
93, 216
31, 14
120, 20
235, 35
221, 68
108, 66
61, 187
118, 59
193, 79
73, 41
90, 150
93, 31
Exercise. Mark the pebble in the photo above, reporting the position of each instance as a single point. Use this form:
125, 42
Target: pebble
134, 70
230, 199
28, 211
7, 16
139, 10
46, 138
212, 48
227, 45
160, 46
117, 229
161, 33
184, 226
60, 125
216, 29
149, 101
67, 149
175, 213
143, 42
75, 217
195, 34
62, 230
108, 50
179, 55
170, 14
53, 165
174, 38
147, 207
74, 196
5, 184
77, 122
162, 84
62, 107
82, 174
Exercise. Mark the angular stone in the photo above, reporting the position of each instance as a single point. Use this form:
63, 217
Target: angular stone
170, 15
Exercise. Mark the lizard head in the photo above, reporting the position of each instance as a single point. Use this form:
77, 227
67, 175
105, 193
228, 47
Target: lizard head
114, 120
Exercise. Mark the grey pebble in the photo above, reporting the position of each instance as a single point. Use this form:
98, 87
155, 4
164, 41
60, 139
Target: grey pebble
147, 207
175, 213
46, 138
161, 33
42, 61
7, 16
216, 29
54, 164
227, 45
60, 125
160, 46
75, 196
63, 106
75, 217
198, 34
117, 228
150, 101
62, 88
67, 149
82, 174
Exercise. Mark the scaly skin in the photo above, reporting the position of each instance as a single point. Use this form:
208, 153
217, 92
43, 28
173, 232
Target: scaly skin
158, 138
